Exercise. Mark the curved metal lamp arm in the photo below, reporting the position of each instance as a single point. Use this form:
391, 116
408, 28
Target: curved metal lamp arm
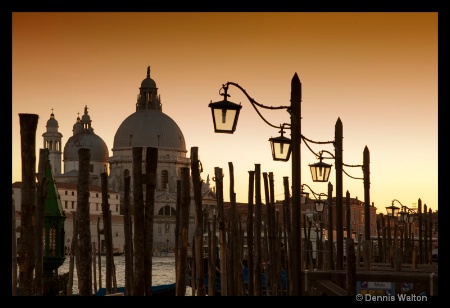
398, 203
287, 125
318, 155
350, 175
314, 193
254, 103
409, 210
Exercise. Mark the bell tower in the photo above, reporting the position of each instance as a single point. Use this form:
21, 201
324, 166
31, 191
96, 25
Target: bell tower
52, 142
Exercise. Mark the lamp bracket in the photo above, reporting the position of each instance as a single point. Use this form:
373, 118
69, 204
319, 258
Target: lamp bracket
332, 156
314, 193
351, 176
256, 104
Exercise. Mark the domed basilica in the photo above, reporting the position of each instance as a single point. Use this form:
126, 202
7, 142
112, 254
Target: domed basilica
148, 126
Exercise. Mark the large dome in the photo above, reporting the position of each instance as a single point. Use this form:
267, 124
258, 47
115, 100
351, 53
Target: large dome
149, 128
99, 150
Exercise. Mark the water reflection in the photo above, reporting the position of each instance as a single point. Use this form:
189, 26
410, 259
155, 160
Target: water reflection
163, 272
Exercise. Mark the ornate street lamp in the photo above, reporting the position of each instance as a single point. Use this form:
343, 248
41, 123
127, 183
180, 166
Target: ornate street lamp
319, 205
403, 214
392, 210
320, 171
225, 114
281, 147
304, 195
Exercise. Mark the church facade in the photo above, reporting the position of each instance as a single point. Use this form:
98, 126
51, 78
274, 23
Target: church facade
148, 126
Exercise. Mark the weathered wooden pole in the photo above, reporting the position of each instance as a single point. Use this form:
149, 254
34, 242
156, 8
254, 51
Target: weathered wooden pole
350, 266
380, 242
296, 128
430, 232
107, 233
348, 214
84, 229
14, 250
73, 252
366, 175
305, 258
268, 267
193, 266
339, 188
94, 268
212, 257
139, 224
367, 255
41, 195
210, 262
222, 231
215, 247
99, 255
425, 234
177, 231
114, 279
419, 208
26, 243
183, 235
386, 245
279, 253
240, 268
288, 237
250, 246
151, 160
197, 186
274, 246
128, 234
330, 227
235, 268
265, 257
258, 220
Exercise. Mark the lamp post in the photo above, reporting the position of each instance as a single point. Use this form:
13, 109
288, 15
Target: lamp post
403, 219
319, 169
319, 206
225, 115
391, 211
407, 216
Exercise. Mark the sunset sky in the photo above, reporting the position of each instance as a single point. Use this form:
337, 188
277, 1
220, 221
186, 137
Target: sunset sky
377, 72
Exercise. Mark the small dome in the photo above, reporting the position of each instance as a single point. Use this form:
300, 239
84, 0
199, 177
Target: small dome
149, 128
148, 82
98, 149
52, 121
86, 118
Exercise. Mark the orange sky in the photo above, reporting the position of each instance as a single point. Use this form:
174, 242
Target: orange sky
377, 72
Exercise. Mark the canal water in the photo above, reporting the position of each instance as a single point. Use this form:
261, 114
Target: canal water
163, 272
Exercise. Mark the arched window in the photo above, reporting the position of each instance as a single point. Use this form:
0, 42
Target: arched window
167, 211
